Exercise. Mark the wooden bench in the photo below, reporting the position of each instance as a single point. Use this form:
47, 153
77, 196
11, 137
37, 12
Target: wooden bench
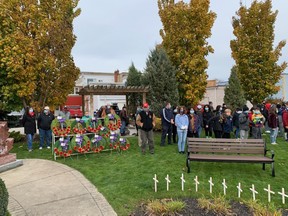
229, 150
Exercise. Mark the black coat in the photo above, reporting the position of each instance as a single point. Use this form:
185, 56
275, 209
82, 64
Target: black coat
215, 122
29, 124
44, 121
206, 117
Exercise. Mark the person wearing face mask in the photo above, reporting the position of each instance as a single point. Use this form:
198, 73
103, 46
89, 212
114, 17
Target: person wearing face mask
44, 124
207, 115
235, 120
167, 120
65, 113
273, 124
182, 123
285, 121
200, 115
146, 121
226, 120
244, 123
174, 128
29, 124
215, 122
194, 124
257, 121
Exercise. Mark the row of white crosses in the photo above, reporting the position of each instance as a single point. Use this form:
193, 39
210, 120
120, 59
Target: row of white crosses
210, 181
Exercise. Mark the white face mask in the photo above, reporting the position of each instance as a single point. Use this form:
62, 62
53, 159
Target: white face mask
175, 110
191, 111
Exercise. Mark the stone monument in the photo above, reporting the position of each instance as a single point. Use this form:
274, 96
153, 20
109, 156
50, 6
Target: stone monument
7, 160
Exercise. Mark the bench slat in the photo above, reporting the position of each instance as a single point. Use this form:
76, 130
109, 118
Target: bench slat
203, 140
227, 158
228, 151
226, 144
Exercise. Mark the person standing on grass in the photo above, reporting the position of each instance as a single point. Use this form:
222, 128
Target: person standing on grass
280, 119
207, 115
235, 120
44, 124
257, 121
285, 121
244, 123
194, 124
167, 121
29, 124
273, 124
215, 122
146, 121
182, 123
174, 128
124, 119
226, 120
200, 115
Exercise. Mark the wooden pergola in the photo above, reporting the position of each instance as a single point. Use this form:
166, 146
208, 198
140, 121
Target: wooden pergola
111, 90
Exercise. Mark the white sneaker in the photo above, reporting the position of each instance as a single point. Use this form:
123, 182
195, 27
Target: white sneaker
40, 148
274, 143
48, 147
30, 150
268, 131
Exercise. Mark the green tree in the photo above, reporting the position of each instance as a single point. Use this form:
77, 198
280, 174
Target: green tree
253, 51
36, 39
134, 79
234, 95
160, 76
186, 28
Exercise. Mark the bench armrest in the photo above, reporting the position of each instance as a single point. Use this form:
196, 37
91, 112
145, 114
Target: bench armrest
272, 153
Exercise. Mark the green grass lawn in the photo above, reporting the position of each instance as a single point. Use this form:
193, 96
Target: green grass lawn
126, 179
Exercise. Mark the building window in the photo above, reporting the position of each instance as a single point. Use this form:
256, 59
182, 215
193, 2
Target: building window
100, 80
90, 81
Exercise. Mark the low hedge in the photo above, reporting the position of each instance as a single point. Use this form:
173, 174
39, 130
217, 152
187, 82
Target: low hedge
3, 198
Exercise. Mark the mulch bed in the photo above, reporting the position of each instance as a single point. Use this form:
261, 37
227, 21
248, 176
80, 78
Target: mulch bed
193, 209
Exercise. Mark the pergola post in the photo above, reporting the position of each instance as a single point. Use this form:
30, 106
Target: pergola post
144, 97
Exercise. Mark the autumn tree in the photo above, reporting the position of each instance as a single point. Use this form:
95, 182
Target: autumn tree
134, 79
234, 95
160, 76
186, 28
36, 39
253, 52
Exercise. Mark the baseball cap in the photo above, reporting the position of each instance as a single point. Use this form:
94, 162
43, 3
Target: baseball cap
46, 108
145, 105
199, 106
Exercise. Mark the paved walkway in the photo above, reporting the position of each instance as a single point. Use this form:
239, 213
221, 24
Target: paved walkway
43, 187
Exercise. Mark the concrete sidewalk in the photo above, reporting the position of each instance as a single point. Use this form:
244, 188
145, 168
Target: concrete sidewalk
43, 187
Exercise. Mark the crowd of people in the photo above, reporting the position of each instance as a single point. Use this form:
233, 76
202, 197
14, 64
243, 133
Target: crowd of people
181, 122
178, 123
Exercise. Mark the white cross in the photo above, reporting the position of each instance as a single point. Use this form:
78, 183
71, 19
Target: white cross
269, 191
168, 181
254, 192
155, 182
211, 184
239, 190
183, 181
283, 195
196, 183
224, 186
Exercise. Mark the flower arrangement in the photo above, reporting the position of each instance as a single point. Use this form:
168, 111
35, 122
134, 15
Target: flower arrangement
94, 125
60, 126
124, 144
78, 126
62, 147
114, 140
97, 143
112, 122
81, 143
104, 132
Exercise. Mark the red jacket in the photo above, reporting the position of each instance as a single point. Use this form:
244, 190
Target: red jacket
285, 118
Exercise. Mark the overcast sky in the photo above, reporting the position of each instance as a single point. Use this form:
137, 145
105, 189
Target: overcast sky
113, 34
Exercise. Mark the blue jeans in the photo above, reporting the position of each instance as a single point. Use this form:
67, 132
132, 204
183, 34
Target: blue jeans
182, 136
199, 131
45, 134
273, 134
237, 133
29, 140
123, 126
